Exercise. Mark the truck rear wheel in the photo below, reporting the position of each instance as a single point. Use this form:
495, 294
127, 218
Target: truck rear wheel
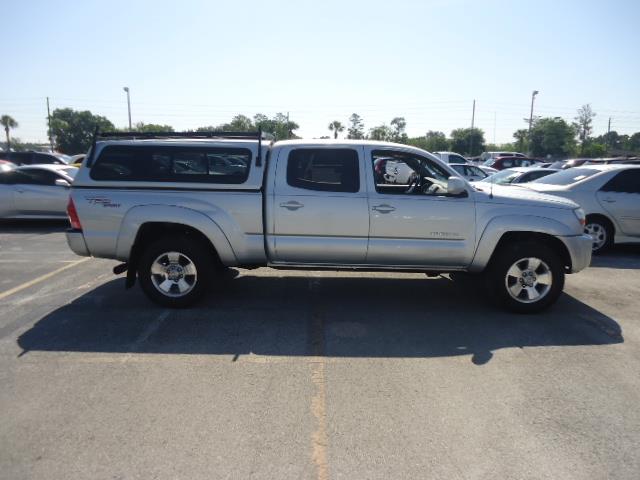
526, 278
175, 271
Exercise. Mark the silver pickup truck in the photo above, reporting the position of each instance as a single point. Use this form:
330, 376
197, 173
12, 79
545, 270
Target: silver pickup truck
177, 210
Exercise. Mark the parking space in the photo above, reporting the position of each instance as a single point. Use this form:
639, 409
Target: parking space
283, 374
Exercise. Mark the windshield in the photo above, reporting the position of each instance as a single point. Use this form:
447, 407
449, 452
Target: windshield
567, 177
503, 177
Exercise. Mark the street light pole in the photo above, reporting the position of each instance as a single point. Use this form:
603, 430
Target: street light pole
126, 89
533, 97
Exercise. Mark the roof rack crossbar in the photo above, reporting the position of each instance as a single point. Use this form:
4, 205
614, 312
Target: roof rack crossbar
259, 135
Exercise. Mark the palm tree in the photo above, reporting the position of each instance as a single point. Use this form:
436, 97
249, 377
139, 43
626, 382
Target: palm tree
8, 123
336, 127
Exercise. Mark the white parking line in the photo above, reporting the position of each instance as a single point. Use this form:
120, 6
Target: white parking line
42, 278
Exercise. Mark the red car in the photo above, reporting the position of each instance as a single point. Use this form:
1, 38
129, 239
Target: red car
501, 163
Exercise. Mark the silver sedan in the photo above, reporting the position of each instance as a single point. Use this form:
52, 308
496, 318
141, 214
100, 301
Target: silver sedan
35, 191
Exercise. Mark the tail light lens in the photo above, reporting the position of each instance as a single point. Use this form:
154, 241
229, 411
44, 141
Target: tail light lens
74, 220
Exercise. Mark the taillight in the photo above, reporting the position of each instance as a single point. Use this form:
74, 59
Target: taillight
74, 220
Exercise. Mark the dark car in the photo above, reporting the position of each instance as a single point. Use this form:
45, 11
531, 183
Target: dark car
501, 163
36, 158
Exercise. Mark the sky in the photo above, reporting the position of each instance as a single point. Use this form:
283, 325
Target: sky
196, 63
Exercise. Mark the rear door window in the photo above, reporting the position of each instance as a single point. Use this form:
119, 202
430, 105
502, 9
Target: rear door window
324, 169
627, 181
172, 164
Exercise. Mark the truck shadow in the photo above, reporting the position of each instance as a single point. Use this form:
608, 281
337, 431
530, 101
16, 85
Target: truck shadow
308, 316
33, 226
620, 256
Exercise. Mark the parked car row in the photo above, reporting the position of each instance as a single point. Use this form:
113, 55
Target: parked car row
35, 158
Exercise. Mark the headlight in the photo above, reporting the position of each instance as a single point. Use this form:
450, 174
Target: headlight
580, 214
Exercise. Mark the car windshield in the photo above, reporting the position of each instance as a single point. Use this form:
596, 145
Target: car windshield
567, 177
503, 177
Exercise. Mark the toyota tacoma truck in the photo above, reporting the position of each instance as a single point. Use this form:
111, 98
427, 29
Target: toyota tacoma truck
177, 209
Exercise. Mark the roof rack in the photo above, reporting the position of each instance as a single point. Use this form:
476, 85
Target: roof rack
258, 135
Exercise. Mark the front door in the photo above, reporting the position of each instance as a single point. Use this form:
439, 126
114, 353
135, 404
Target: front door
620, 196
414, 222
319, 208
35, 193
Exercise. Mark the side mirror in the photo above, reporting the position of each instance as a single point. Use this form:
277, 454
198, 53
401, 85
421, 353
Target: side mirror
60, 182
455, 186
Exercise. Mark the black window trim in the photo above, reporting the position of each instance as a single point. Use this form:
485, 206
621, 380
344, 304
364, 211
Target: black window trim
203, 179
355, 152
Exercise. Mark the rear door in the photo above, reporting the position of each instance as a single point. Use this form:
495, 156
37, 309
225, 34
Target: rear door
620, 196
6, 194
416, 223
319, 206
35, 193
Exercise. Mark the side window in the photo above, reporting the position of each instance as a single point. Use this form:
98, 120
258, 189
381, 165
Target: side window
324, 169
627, 181
172, 164
406, 173
475, 171
460, 169
35, 177
507, 163
43, 158
457, 159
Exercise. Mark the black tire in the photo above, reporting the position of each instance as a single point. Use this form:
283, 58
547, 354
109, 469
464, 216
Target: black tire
602, 226
188, 248
502, 284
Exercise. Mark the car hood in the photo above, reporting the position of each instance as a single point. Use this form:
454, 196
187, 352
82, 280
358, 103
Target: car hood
520, 195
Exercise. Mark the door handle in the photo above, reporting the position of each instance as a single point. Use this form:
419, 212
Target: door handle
384, 208
609, 200
292, 205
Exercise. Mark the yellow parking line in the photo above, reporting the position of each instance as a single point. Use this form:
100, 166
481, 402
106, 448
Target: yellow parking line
42, 278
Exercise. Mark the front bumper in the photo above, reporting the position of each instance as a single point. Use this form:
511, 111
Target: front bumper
580, 250
76, 243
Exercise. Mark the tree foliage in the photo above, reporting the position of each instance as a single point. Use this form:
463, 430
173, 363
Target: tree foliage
467, 141
336, 127
72, 130
279, 126
521, 139
152, 127
8, 122
356, 127
584, 123
398, 130
433, 141
552, 136
381, 132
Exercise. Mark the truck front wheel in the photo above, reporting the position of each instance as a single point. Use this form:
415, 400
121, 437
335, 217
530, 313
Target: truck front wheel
175, 271
526, 278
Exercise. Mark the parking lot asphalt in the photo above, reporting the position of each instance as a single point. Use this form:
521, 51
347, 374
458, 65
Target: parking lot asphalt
320, 375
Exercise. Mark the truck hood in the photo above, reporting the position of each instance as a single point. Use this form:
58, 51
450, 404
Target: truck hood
518, 195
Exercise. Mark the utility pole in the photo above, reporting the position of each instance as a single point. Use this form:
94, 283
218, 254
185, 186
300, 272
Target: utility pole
49, 122
533, 97
288, 129
473, 120
609, 134
126, 89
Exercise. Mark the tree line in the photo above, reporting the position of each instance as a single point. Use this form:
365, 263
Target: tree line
72, 132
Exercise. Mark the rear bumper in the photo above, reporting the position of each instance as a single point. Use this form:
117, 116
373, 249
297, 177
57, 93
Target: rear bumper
76, 243
580, 250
